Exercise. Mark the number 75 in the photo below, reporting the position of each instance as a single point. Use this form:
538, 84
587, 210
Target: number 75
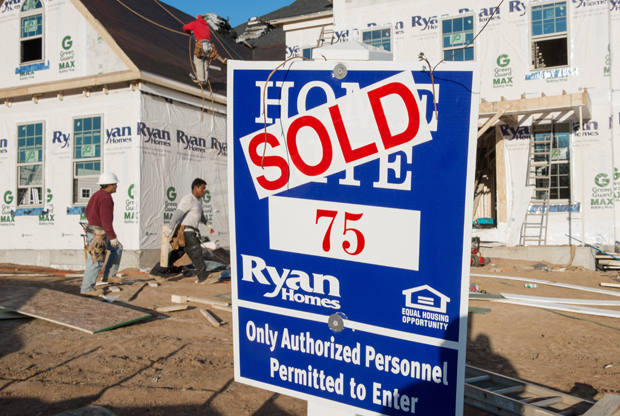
361, 242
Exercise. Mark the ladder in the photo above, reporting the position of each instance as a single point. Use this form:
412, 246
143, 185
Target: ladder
534, 227
505, 396
326, 37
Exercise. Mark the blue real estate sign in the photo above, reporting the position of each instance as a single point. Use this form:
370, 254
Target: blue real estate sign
351, 204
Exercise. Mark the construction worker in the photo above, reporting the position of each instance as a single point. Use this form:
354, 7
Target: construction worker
203, 49
190, 214
101, 237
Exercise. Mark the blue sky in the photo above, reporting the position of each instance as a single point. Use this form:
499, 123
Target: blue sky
239, 11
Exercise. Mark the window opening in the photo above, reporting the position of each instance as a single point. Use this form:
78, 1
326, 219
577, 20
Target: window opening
456, 33
549, 35
86, 157
380, 38
30, 160
31, 31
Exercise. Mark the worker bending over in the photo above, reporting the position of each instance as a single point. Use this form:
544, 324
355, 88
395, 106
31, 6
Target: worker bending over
189, 212
101, 237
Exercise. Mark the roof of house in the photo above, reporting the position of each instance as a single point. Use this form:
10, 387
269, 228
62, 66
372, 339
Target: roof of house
143, 37
298, 8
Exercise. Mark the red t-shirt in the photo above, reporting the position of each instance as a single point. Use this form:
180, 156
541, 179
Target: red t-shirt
200, 28
100, 212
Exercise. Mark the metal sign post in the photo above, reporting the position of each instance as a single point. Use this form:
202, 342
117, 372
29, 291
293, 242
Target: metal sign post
350, 231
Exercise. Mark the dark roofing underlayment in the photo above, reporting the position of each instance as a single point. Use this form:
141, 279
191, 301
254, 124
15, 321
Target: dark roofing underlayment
276, 39
157, 50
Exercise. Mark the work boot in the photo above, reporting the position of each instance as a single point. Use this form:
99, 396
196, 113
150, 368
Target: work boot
94, 293
114, 280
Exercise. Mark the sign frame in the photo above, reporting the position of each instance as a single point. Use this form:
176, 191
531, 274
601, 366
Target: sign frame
241, 262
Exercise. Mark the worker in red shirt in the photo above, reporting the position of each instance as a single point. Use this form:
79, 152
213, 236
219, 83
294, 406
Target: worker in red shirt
101, 237
203, 49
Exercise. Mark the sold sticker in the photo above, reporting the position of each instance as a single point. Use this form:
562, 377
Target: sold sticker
375, 121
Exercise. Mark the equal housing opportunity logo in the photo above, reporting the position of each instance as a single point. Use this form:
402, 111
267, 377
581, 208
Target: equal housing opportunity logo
425, 306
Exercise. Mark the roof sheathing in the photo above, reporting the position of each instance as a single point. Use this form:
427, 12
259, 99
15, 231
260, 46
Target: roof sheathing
155, 49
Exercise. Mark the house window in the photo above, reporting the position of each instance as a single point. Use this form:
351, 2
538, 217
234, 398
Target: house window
30, 161
549, 35
380, 38
86, 157
31, 32
307, 52
551, 162
456, 33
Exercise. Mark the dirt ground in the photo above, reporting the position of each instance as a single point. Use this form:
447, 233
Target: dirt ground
178, 364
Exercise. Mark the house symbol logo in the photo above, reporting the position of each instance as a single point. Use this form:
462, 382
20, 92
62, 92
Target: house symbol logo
426, 298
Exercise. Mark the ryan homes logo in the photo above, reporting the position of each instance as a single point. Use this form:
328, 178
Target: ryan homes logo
590, 128
60, 137
425, 306
515, 133
588, 3
485, 14
118, 135
615, 5
10, 5
426, 23
191, 143
154, 135
292, 285
4, 144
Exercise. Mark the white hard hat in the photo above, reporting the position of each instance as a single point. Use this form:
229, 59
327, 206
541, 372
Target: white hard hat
107, 178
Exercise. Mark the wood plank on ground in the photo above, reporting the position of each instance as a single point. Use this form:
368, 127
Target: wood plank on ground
609, 405
73, 311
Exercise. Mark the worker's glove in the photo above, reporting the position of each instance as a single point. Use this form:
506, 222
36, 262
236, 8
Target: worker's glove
114, 243
211, 230
168, 232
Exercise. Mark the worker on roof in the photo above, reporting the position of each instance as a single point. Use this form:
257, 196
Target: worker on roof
204, 48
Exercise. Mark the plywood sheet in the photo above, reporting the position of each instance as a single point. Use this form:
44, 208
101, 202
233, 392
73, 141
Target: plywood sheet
81, 313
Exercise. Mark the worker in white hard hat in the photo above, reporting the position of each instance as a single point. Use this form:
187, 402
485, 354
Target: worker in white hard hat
101, 237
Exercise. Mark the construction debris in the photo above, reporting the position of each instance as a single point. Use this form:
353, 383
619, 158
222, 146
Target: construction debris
184, 299
77, 312
223, 308
609, 284
172, 308
213, 320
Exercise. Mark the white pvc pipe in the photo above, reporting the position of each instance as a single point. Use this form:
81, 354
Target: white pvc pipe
583, 181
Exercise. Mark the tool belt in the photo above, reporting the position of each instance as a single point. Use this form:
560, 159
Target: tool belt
178, 238
204, 49
98, 246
